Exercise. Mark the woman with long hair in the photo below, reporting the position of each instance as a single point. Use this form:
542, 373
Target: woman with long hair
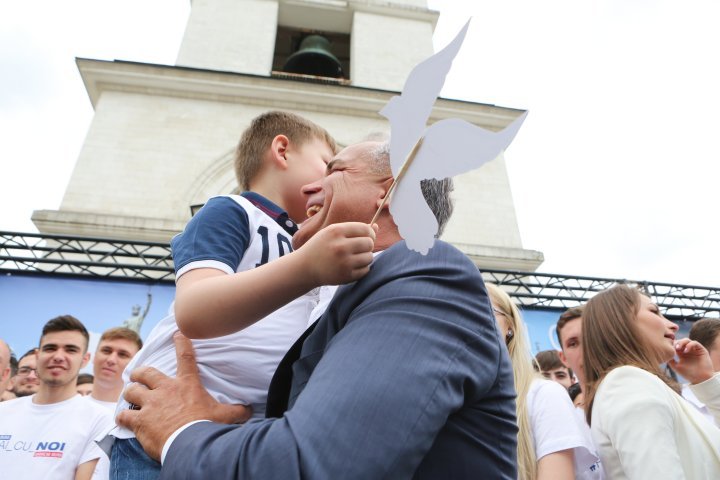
551, 445
641, 427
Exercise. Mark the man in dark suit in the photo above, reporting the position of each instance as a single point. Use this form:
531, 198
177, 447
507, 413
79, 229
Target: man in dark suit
404, 376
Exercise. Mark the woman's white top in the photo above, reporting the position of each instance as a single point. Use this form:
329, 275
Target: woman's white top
642, 429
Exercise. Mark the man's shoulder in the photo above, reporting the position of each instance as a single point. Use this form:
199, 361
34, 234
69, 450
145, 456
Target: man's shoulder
441, 251
108, 406
96, 407
404, 276
80, 403
76, 406
443, 260
93, 417
15, 404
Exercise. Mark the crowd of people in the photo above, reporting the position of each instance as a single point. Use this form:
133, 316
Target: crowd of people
53, 414
413, 368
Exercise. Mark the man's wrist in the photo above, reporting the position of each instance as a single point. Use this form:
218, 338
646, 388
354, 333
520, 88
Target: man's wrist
171, 438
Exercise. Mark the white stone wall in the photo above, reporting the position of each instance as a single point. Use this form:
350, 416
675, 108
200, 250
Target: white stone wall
162, 138
385, 49
484, 211
239, 35
230, 35
153, 156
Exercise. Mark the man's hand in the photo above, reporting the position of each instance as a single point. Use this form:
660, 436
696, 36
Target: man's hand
693, 361
166, 403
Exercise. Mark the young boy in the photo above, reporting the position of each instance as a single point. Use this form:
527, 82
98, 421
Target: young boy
552, 368
234, 266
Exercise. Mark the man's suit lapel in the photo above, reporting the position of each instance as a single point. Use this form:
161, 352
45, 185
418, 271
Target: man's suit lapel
333, 320
279, 390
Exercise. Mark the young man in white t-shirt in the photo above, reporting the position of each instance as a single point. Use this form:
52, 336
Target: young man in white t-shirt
25, 381
117, 346
51, 433
4, 365
552, 368
569, 333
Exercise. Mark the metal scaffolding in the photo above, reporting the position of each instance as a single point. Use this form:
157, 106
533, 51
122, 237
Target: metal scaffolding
552, 291
85, 256
101, 257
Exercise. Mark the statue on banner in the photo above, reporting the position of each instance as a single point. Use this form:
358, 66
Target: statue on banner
135, 321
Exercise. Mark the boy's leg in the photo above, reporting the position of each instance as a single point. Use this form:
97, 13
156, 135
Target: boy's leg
128, 461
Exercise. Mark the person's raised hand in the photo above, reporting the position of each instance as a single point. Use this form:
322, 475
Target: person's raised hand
693, 361
339, 253
165, 404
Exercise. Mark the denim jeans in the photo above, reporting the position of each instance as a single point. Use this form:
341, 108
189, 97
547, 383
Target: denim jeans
128, 461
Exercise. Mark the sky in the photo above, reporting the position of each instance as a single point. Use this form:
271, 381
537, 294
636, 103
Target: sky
613, 174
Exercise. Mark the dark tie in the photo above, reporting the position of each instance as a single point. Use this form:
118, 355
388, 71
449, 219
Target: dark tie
279, 390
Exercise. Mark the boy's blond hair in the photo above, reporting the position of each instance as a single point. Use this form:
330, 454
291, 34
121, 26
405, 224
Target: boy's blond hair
256, 140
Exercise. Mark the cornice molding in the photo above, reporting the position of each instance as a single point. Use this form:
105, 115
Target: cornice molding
101, 76
92, 224
502, 258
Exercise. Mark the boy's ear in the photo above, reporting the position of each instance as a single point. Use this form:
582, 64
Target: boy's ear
278, 150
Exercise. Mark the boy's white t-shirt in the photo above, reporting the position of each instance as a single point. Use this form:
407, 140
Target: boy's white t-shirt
235, 368
49, 441
555, 427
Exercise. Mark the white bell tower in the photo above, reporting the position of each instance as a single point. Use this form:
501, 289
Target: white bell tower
162, 136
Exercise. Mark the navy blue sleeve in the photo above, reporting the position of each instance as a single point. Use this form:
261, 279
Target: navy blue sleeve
219, 232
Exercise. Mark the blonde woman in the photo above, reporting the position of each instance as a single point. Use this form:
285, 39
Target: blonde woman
549, 437
641, 427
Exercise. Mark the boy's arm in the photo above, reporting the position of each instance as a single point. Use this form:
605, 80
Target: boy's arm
209, 303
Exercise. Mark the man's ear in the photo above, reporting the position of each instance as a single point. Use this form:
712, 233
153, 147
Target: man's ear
278, 150
85, 360
561, 354
385, 185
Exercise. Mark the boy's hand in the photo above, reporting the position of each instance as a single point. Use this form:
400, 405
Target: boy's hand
340, 253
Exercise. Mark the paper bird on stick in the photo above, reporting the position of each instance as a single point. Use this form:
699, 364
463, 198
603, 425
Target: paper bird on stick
445, 149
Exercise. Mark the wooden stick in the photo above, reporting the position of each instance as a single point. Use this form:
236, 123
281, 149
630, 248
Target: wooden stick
410, 158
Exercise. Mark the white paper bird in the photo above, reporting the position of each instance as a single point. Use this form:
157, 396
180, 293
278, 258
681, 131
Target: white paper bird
449, 147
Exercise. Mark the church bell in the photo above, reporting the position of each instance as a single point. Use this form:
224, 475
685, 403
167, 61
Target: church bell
314, 58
